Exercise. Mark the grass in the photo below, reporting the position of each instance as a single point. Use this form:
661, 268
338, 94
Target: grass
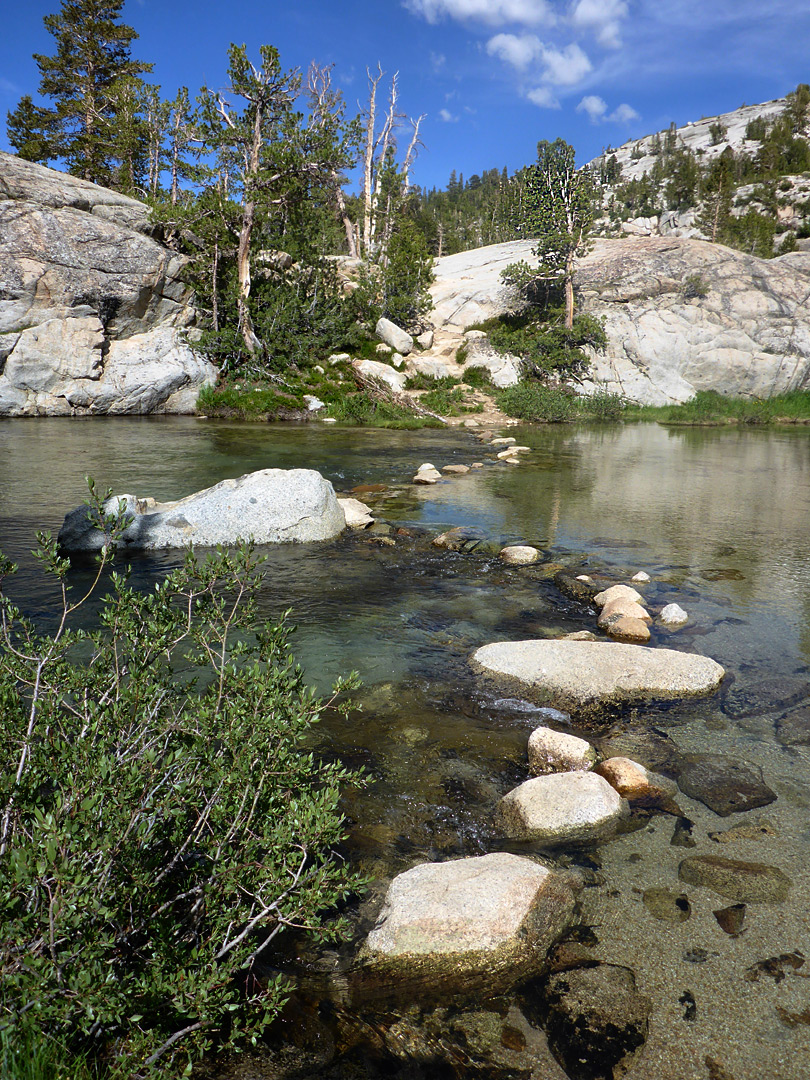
537, 402
42, 1059
709, 407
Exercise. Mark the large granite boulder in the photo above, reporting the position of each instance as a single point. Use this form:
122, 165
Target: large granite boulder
468, 926
589, 676
94, 313
270, 506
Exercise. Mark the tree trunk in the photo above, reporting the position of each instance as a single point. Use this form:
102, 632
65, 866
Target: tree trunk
569, 290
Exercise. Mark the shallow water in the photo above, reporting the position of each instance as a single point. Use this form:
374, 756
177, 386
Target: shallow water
719, 518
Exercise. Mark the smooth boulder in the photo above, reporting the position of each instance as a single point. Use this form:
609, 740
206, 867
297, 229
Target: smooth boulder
561, 808
268, 506
589, 675
553, 751
391, 334
466, 926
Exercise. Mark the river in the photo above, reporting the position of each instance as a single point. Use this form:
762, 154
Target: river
720, 520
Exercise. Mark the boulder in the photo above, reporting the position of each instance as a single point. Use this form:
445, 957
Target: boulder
356, 513
724, 785
427, 474
553, 751
426, 340
373, 369
628, 609
456, 470
466, 926
391, 334
625, 628
744, 882
617, 592
433, 369
93, 311
561, 808
504, 368
588, 676
673, 615
269, 506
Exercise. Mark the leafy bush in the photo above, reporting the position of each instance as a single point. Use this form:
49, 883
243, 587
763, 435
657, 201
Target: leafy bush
398, 289
534, 401
603, 406
161, 819
546, 346
694, 287
364, 410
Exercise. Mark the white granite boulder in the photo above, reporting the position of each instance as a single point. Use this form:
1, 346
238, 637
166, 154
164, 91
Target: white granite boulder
561, 808
269, 506
391, 334
519, 555
373, 369
553, 751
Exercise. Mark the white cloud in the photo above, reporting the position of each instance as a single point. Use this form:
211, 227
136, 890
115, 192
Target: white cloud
594, 106
491, 12
519, 51
447, 117
543, 97
624, 114
565, 67
437, 61
602, 18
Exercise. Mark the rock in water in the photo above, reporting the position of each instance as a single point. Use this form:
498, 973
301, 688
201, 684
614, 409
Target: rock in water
465, 926
562, 807
724, 785
589, 676
357, 514
553, 751
269, 506
745, 882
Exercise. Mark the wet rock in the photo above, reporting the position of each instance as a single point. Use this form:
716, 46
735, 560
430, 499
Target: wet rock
553, 751
637, 784
519, 555
722, 573
357, 514
580, 635
766, 695
617, 592
578, 588
731, 919
270, 506
458, 470
673, 615
592, 676
793, 729
596, 1020
628, 609
754, 830
641, 577
427, 474
682, 833
745, 882
724, 785
505, 440
461, 538
667, 905
465, 926
655, 750
561, 808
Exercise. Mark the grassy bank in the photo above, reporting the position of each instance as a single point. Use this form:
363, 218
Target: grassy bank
711, 408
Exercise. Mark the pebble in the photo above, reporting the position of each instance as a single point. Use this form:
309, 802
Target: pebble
459, 469
505, 440
731, 918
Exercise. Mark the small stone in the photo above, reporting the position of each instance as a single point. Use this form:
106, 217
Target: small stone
427, 478
313, 403
519, 555
561, 808
755, 830
397, 359
584, 577
553, 751
579, 635
511, 451
628, 609
667, 905
339, 358
357, 514
470, 423
511, 460
673, 615
503, 440
327, 419
682, 833
616, 592
474, 335
746, 882
458, 469
426, 339
635, 783
319, 369
641, 577
477, 465
383, 349
460, 538
731, 918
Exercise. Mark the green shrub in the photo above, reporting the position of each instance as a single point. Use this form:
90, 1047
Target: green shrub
162, 821
478, 377
603, 406
694, 287
533, 401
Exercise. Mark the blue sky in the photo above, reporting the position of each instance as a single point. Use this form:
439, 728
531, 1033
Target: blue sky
492, 76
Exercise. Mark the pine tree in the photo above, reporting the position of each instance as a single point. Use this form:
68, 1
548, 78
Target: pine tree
92, 57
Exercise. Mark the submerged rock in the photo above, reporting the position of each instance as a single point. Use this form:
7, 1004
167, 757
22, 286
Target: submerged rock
553, 751
596, 1020
467, 926
724, 785
745, 882
560, 808
269, 506
590, 676
667, 905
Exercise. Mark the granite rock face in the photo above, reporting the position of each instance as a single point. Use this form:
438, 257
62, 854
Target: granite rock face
269, 506
93, 310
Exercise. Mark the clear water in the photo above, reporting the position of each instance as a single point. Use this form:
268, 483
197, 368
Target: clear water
719, 519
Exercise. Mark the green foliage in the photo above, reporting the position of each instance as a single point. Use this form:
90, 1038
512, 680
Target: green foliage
544, 343
35, 1056
162, 820
479, 378
694, 287
361, 409
398, 288
718, 132
535, 401
92, 57
709, 407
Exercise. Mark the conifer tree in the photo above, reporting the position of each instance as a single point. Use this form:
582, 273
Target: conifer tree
92, 57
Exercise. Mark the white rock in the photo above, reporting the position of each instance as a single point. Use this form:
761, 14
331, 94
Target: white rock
504, 440
383, 350
673, 615
397, 359
313, 403
622, 608
384, 372
395, 336
357, 514
269, 506
327, 419
561, 808
319, 369
426, 339
339, 358
588, 674
617, 592
640, 577
553, 751
433, 369
519, 555
475, 335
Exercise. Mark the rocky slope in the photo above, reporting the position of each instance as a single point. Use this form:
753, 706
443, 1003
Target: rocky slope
681, 315
92, 308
